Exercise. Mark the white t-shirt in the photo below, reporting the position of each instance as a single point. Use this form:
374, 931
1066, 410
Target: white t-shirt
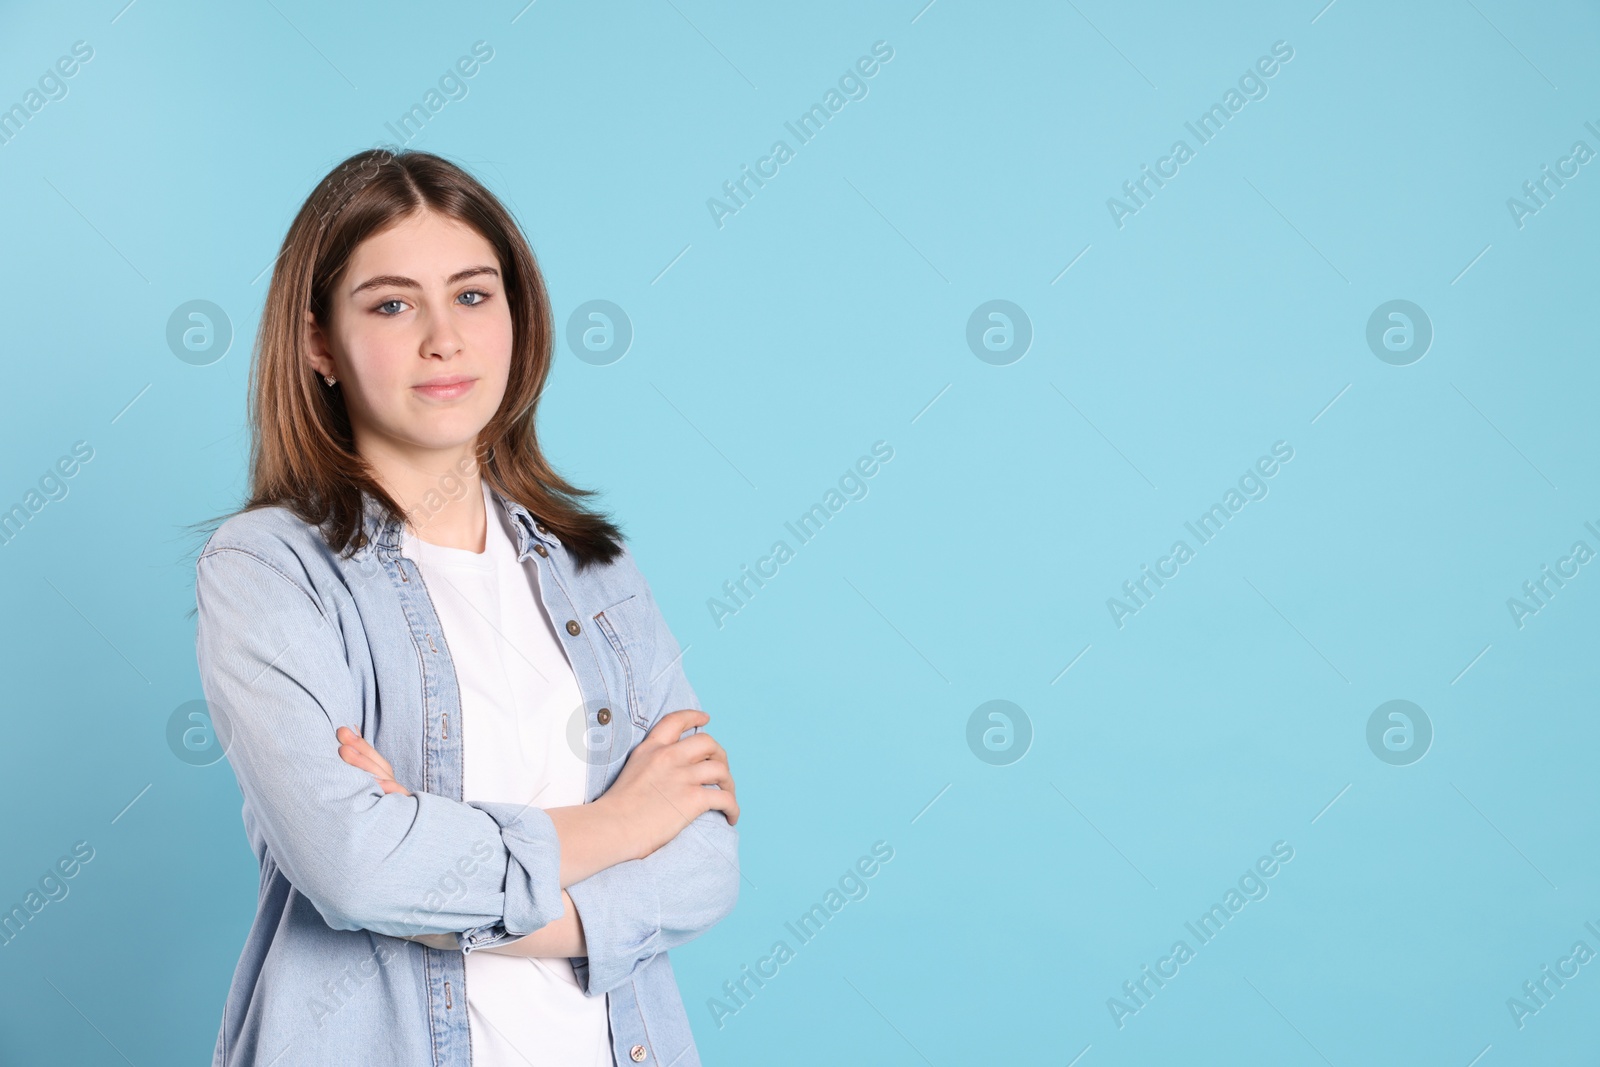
517, 694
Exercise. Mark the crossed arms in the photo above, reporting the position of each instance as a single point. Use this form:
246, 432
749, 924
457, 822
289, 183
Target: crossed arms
650, 868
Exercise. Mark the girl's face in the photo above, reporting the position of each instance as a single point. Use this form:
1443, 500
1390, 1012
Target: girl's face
420, 341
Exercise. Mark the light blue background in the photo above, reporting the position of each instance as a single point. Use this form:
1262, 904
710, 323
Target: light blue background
826, 315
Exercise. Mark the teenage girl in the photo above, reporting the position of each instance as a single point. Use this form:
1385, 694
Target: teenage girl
472, 766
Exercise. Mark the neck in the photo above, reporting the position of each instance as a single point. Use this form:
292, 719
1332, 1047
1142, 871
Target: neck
455, 520
442, 493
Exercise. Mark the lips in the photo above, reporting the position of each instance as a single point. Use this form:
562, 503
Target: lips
446, 388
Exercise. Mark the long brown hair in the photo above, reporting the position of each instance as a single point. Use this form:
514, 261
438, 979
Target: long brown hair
302, 454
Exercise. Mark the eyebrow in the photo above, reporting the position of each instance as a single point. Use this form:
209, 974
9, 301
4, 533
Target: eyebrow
384, 281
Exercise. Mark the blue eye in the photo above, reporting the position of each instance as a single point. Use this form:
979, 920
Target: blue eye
470, 292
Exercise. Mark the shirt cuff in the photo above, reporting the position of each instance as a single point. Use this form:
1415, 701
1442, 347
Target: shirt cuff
620, 909
533, 874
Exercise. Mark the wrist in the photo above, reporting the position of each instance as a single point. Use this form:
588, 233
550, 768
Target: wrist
616, 825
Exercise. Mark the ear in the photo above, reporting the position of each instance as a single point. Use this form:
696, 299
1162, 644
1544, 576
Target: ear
318, 352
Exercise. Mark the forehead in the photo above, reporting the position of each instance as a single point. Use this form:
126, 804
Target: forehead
425, 245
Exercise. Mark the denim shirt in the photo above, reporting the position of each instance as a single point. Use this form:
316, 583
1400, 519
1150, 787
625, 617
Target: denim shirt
293, 642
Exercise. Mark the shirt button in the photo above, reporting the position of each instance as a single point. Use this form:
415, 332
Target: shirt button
541, 550
540, 527
604, 715
573, 627
636, 1054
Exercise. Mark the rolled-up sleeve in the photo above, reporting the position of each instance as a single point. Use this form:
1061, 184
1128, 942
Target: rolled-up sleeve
633, 910
276, 681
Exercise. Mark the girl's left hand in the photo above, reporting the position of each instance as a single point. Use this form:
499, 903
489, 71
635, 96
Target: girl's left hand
354, 750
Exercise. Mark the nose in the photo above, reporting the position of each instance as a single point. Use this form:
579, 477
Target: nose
441, 339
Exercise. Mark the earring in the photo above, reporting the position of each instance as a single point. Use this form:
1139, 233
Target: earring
330, 379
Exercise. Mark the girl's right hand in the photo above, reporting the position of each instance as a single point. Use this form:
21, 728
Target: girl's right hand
661, 788
356, 751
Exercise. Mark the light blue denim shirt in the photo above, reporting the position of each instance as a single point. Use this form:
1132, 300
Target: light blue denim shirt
293, 642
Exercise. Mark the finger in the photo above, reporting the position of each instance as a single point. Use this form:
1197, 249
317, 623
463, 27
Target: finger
703, 751
355, 751
675, 723
364, 746
722, 800
713, 772
354, 739
725, 786
359, 759
364, 743
388, 770
696, 747
355, 757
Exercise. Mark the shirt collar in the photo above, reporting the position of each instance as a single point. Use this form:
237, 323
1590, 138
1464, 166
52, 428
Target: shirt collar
529, 529
384, 532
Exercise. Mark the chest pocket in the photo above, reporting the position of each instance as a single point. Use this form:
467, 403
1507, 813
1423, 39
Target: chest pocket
630, 632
